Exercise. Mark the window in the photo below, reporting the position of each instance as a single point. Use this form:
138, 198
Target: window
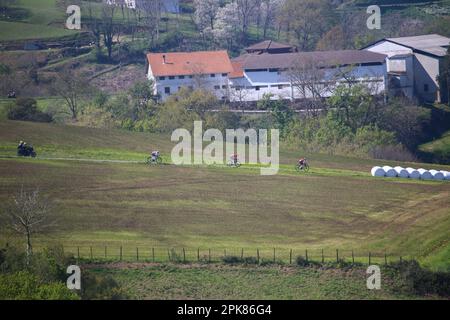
167, 90
162, 78
425, 87
280, 86
273, 70
224, 74
190, 77
217, 87
180, 77
171, 77
224, 87
212, 75
257, 88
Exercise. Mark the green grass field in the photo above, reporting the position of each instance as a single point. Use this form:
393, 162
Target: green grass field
43, 20
337, 205
439, 147
239, 282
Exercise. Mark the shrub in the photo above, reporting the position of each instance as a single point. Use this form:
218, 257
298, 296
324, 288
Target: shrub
413, 279
98, 287
301, 261
24, 285
232, 260
25, 109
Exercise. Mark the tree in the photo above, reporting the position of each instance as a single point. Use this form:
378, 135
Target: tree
280, 111
353, 106
205, 13
308, 81
29, 214
308, 20
94, 26
406, 120
246, 10
109, 29
141, 95
152, 11
444, 78
227, 20
200, 101
269, 11
332, 40
72, 88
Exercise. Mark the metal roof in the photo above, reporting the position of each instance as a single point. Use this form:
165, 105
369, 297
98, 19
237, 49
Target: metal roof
320, 58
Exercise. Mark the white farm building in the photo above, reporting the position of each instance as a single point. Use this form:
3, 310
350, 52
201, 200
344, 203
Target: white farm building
401, 66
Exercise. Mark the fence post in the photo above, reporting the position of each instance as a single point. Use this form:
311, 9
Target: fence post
400, 259
184, 256
306, 255
337, 255
323, 257
120, 253
353, 257
198, 254
274, 256
385, 258
91, 252
153, 255
137, 254
168, 254
290, 256
369, 258
106, 252
209, 255
242, 253
78, 250
257, 255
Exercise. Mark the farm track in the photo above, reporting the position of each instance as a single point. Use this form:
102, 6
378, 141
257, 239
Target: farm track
245, 166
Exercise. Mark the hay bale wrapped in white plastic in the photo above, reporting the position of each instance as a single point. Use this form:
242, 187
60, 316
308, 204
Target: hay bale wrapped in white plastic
401, 172
390, 172
425, 174
437, 175
377, 172
446, 174
413, 173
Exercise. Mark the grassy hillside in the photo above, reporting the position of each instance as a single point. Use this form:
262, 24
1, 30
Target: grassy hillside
336, 205
439, 148
35, 20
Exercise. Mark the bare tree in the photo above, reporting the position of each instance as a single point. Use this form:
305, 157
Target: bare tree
246, 10
72, 88
152, 10
29, 214
109, 28
309, 81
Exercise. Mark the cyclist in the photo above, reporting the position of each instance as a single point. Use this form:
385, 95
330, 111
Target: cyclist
155, 155
302, 163
234, 158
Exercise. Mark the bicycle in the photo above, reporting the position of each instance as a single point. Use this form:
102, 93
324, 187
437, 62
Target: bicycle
300, 168
154, 160
232, 163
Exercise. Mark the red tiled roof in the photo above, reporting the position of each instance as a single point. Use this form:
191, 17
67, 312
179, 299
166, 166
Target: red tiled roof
238, 71
189, 63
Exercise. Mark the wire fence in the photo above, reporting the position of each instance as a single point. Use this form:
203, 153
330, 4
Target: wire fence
214, 255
